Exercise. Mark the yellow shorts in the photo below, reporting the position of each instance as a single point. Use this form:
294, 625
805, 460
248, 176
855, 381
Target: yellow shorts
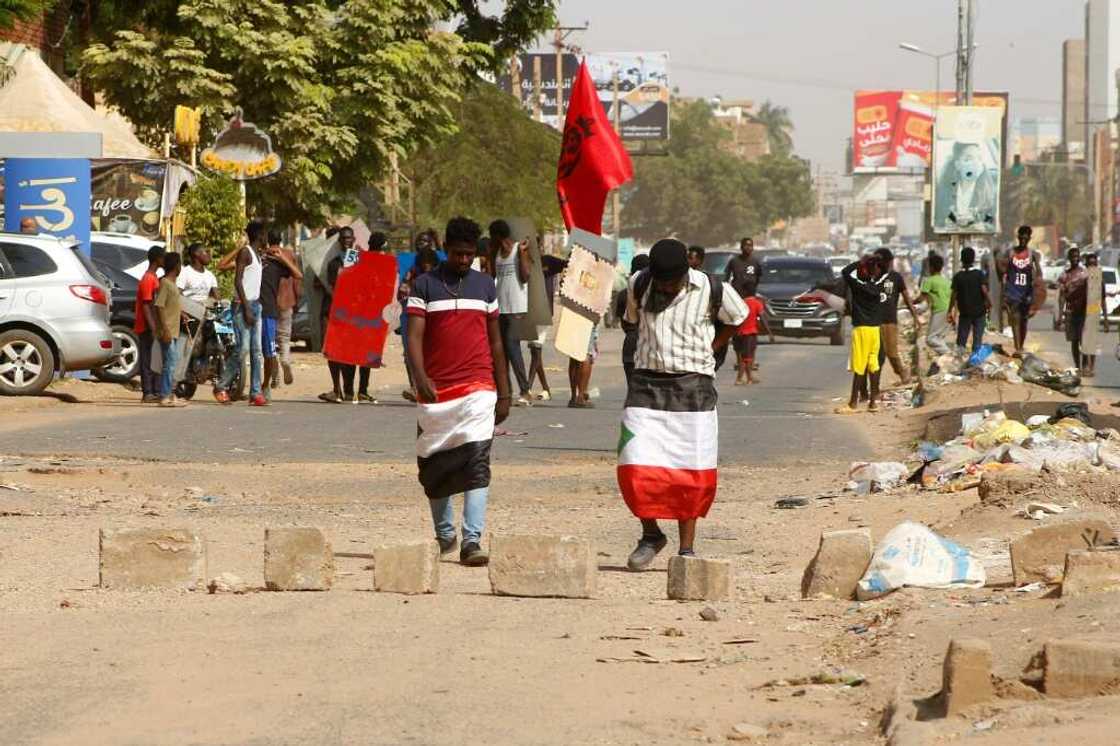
865, 349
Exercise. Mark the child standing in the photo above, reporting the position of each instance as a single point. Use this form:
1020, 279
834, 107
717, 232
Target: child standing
968, 301
168, 307
746, 338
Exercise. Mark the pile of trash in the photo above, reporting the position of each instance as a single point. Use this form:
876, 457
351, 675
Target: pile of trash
991, 441
992, 362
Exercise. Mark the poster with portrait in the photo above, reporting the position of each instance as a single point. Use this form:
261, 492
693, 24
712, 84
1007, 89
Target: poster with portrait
966, 170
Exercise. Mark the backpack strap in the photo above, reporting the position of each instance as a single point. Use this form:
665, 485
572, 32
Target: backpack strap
715, 297
641, 285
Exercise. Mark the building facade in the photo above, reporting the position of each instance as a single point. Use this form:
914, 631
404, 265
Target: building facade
1073, 98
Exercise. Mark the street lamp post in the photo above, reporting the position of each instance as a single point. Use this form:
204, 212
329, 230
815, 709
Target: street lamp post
937, 64
937, 104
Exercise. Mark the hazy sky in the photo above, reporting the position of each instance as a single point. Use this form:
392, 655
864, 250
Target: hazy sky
811, 55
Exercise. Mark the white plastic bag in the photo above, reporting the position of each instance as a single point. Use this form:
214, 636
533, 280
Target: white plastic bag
879, 475
912, 555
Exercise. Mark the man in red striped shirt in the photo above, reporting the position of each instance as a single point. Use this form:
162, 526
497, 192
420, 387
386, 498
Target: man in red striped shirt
462, 386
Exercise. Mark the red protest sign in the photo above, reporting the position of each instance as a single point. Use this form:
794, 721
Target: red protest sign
363, 311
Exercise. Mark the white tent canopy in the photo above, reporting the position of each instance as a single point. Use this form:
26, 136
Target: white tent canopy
34, 99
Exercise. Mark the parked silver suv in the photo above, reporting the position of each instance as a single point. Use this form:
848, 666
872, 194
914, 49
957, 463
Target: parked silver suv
54, 313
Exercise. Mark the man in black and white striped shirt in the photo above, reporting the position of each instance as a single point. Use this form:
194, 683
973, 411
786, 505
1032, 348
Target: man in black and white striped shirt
676, 329
669, 436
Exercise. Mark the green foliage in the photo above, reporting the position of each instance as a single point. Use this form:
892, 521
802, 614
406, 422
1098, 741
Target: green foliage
21, 10
704, 194
337, 85
500, 163
520, 23
214, 216
779, 127
1052, 194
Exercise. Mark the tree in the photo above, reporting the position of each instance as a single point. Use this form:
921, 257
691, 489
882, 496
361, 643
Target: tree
519, 24
214, 217
12, 11
1048, 193
703, 193
779, 127
338, 85
500, 163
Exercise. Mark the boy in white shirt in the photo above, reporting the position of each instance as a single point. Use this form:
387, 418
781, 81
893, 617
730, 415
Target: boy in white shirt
196, 281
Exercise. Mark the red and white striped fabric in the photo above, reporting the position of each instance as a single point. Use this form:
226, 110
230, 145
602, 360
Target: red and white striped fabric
668, 446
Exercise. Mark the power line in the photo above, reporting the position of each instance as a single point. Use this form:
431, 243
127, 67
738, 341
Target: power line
822, 83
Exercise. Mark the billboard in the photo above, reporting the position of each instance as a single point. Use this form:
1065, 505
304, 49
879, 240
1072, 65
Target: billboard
893, 130
54, 192
643, 88
966, 170
127, 196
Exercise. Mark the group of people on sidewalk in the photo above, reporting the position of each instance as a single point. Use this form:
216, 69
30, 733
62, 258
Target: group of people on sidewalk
265, 295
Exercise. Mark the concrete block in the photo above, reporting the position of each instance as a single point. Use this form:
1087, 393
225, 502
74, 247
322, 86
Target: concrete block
152, 558
696, 579
406, 568
841, 560
967, 675
1072, 668
1040, 556
559, 566
1091, 572
297, 559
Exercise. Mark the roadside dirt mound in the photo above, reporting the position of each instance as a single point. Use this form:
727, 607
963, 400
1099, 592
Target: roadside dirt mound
1015, 486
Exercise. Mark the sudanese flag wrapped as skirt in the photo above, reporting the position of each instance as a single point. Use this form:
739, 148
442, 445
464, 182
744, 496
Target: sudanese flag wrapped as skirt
668, 445
453, 439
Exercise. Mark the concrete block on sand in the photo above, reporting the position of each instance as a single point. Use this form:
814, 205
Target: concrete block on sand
1040, 556
1091, 572
841, 560
406, 568
557, 566
697, 579
297, 559
152, 558
967, 675
1072, 668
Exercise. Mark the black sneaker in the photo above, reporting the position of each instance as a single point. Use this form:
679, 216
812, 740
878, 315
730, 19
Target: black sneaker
645, 552
447, 546
472, 555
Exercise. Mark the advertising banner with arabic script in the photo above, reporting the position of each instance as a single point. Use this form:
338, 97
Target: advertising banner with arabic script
893, 130
54, 192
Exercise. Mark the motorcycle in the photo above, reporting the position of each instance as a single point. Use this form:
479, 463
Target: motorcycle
214, 347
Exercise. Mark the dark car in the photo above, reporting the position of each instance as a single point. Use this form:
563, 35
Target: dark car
122, 315
301, 325
784, 278
715, 262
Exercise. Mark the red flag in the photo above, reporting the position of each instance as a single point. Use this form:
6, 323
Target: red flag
593, 160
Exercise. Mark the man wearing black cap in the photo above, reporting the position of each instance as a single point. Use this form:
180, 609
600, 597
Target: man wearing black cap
668, 443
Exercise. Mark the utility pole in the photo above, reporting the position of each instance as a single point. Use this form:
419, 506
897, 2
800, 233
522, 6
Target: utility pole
536, 88
616, 201
559, 36
966, 15
515, 77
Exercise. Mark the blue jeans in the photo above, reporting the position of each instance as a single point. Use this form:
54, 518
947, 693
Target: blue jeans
474, 515
169, 351
253, 338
